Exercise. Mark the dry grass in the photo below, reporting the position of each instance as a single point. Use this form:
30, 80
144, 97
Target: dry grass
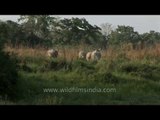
72, 52
24, 52
146, 52
69, 54
132, 54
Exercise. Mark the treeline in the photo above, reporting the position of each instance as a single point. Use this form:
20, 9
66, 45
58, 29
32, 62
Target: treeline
44, 30
126, 34
47, 31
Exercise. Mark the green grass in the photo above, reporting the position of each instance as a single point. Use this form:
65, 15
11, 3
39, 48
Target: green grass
136, 82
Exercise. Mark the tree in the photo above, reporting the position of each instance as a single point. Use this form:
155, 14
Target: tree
123, 34
15, 34
151, 37
76, 30
3, 33
37, 28
106, 29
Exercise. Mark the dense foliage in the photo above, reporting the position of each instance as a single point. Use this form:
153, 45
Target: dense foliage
8, 71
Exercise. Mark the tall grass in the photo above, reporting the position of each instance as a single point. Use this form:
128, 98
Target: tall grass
71, 53
133, 72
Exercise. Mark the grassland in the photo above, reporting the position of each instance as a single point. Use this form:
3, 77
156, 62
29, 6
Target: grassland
132, 75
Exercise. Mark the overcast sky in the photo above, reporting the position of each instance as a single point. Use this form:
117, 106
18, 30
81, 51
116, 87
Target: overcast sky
141, 23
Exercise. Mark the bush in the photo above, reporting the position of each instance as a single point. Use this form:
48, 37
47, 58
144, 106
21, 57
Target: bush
56, 64
106, 65
8, 74
106, 77
143, 70
8, 64
25, 67
83, 67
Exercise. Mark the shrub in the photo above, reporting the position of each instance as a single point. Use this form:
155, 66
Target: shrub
106, 77
8, 74
57, 64
138, 69
8, 71
83, 67
26, 68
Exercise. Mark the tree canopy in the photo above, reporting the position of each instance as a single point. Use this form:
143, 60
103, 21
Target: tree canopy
45, 30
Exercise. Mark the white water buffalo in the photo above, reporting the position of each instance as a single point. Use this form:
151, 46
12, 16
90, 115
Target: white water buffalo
52, 53
82, 55
94, 56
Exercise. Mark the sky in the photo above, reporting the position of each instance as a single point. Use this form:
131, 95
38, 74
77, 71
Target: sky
140, 23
